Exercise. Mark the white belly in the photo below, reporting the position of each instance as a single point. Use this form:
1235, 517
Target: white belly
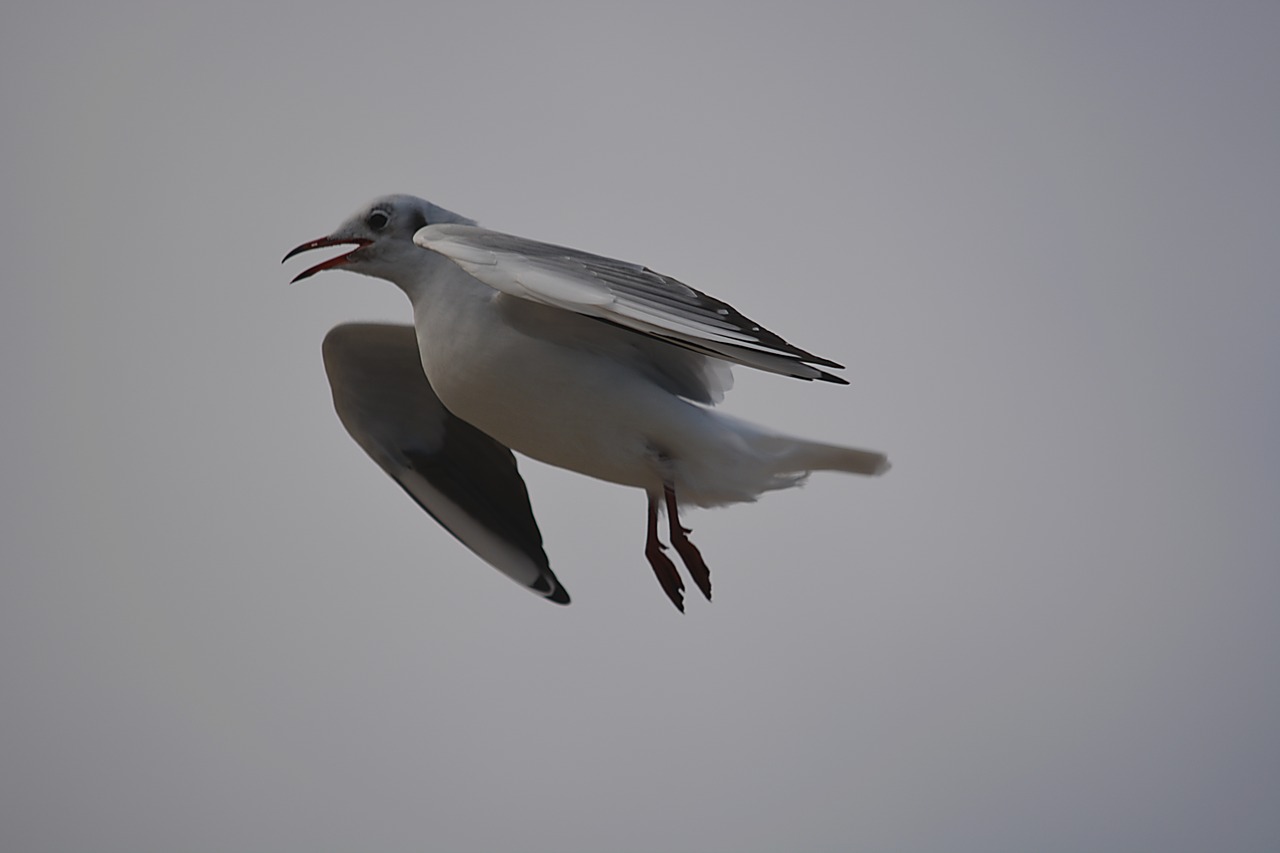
549, 400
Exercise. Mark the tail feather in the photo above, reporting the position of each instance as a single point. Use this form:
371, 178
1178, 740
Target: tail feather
748, 460
812, 456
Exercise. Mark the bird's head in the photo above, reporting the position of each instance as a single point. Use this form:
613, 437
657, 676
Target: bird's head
381, 233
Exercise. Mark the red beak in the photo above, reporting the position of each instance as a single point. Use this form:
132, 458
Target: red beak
322, 243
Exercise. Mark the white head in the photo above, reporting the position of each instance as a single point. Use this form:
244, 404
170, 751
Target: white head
382, 233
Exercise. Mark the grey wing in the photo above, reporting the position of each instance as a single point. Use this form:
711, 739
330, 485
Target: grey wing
625, 294
464, 479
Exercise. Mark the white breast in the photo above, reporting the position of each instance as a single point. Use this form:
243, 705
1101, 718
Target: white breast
547, 397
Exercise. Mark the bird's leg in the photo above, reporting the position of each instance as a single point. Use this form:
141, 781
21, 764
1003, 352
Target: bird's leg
668, 577
687, 550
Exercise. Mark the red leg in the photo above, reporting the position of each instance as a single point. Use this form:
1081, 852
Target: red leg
665, 570
687, 550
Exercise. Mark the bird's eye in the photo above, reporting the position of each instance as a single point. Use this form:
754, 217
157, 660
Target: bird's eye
377, 220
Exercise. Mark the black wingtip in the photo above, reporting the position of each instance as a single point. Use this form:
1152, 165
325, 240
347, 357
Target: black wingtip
550, 588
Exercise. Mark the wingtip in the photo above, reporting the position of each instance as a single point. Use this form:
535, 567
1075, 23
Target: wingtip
550, 588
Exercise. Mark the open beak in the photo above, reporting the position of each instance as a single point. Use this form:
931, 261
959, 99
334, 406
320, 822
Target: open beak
322, 243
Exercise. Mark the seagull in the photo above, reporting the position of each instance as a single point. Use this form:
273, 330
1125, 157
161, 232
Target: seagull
591, 364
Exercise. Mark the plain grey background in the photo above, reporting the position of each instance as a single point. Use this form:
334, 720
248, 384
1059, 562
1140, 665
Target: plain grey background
1042, 236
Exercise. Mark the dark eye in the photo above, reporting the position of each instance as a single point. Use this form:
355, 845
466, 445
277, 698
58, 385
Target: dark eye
377, 220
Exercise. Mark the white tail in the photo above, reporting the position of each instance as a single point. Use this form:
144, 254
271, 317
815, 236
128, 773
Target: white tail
798, 455
746, 460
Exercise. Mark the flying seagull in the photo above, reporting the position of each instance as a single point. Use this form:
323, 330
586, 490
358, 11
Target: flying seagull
584, 362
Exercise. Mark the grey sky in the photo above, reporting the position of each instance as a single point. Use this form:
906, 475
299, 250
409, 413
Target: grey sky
1042, 236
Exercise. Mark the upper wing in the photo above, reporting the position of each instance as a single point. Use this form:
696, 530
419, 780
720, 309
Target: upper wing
626, 294
466, 480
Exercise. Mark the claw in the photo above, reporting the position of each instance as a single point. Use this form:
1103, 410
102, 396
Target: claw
687, 550
663, 568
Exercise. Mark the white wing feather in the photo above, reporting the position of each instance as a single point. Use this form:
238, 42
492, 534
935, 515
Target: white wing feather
626, 294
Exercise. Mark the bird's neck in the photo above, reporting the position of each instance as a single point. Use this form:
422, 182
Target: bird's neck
423, 278
432, 280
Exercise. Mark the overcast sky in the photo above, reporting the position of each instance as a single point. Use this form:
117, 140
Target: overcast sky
1043, 237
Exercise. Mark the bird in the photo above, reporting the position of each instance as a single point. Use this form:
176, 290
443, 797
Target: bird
584, 362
